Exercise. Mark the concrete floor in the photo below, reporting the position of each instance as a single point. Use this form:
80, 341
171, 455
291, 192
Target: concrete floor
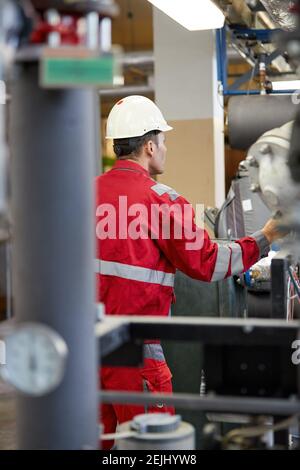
7, 422
7, 404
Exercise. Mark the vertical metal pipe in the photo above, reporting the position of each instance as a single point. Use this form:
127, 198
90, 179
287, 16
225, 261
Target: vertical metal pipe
106, 34
92, 30
279, 276
53, 19
53, 139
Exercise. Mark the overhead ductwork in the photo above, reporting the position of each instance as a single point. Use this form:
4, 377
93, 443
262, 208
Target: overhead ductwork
280, 12
244, 12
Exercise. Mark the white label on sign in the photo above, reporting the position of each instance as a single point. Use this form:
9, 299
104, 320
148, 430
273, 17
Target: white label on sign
247, 205
2, 92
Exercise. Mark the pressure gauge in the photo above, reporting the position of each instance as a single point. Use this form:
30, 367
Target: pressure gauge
35, 359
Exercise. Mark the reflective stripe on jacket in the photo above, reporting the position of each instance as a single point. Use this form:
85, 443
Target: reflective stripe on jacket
136, 275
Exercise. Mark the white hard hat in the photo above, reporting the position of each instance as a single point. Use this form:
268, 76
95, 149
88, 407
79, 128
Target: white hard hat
134, 116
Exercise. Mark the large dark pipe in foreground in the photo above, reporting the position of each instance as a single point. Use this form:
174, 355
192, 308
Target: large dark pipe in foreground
53, 139
294, 157
251, 116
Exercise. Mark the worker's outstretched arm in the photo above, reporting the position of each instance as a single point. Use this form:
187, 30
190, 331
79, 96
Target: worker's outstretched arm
190, 249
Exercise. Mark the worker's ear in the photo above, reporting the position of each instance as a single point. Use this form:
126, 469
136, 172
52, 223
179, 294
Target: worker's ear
149, 147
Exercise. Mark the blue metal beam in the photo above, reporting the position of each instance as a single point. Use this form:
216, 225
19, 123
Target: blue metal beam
257, 92
222, 62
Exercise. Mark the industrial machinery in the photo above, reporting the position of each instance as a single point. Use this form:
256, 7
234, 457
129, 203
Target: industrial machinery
156, 431
252, 376
269, 171
263, 187
251, 366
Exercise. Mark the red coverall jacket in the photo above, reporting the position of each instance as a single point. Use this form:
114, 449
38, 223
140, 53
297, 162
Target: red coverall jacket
135, 274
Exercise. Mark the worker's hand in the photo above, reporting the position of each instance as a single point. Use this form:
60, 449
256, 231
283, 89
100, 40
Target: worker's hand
272, 232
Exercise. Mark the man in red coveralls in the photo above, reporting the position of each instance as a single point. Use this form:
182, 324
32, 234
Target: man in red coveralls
145, 231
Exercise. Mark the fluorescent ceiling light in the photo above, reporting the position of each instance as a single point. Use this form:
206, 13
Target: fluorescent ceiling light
194, 15
286, 85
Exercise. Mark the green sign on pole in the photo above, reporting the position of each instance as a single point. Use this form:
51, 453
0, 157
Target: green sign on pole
77, 71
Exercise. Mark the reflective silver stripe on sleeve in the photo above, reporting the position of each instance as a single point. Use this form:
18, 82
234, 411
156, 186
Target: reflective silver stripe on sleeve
134, 273
161, 189
154, 351
237, 265
222, 263
262, 242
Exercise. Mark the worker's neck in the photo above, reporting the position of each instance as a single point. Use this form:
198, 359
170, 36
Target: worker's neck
142, 162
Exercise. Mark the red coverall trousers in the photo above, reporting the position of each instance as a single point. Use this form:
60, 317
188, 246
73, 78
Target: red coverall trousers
154, 376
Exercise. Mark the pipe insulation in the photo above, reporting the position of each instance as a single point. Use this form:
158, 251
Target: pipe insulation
280, 12
251, 116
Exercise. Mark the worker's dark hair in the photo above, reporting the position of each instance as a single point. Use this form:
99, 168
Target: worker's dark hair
131, 147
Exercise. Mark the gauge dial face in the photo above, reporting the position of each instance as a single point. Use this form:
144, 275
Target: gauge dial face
35, 359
